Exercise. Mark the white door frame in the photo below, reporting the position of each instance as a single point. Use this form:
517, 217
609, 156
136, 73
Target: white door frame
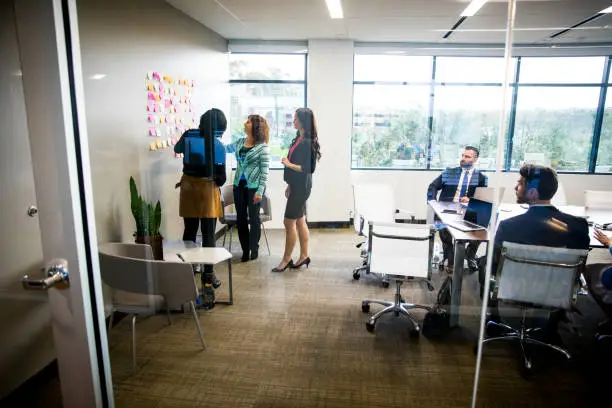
47, 32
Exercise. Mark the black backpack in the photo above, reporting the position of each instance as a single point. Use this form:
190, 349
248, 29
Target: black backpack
437, 320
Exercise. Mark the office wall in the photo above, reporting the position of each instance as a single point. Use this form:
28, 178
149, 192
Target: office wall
124, 40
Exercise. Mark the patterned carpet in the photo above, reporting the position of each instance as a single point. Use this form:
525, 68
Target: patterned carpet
298, 339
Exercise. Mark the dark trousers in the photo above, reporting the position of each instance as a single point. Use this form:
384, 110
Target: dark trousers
449, 248
208, 236
247, 214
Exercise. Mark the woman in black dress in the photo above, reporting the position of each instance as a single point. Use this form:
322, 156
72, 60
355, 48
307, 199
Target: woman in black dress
299, 164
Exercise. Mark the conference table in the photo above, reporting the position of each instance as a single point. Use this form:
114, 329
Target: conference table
461, 238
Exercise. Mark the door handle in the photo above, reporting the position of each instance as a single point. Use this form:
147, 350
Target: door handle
57, 276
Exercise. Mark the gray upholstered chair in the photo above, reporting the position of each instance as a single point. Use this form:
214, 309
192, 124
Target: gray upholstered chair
230, 219
129, 269
535, 277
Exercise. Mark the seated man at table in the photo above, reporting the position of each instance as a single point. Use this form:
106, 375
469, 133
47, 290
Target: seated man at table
458, 184
542, 224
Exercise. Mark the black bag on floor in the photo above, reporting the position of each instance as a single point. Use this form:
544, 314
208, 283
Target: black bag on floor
437, 320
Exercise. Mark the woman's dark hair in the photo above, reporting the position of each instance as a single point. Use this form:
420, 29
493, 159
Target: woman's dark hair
212, 123
260, 129
307, 120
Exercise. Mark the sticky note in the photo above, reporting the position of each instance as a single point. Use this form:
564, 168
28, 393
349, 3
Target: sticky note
151, 96
157, 108
150, 106
155, 76
152, 131
153, 146
159, 144
173, 140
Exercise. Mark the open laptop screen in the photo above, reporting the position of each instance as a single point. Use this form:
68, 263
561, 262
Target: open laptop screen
478, 212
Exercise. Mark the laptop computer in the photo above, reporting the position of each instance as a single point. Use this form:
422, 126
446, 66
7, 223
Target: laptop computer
476, 218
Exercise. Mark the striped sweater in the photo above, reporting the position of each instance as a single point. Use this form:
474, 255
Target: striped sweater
254, 166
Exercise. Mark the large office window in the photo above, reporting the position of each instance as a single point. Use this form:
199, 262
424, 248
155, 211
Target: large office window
270, 85
467, 102
419, 112
556, 106
391, 111
604, 155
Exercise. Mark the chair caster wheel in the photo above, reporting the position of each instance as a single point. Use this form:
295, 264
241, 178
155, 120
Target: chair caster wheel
365, 307
370, 327
414, 333
356, 275
385, 284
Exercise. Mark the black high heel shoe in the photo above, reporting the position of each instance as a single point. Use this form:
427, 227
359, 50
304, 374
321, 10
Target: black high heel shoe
289, 265
306, 262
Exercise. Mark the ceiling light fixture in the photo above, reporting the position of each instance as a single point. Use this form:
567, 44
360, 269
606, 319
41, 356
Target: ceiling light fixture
473, 8
335, 9
606, 10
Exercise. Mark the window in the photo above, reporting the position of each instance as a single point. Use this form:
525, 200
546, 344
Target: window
604, 155
465, 115
556, 107
270, 85
405, 105
554, 127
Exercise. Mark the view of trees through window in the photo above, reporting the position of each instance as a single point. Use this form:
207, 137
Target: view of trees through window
270, 85
398, 112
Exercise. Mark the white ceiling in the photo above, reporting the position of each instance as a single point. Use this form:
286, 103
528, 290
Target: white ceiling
400, 20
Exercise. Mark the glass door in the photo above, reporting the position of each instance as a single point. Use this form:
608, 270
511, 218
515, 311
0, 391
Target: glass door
50, 299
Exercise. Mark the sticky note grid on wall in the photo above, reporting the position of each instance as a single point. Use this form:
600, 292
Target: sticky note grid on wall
169, 109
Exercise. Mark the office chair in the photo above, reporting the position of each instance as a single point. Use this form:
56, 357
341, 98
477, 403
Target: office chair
535, 277
373, 202
598, 200
402, 252
230, 219
129, 269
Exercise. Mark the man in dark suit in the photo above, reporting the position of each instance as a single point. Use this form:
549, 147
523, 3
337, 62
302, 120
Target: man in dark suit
458, 184
542, 224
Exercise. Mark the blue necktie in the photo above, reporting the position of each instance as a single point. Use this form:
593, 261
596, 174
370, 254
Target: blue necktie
464, 185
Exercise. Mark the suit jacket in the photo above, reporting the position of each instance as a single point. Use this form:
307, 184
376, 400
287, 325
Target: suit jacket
448, 181
545, 226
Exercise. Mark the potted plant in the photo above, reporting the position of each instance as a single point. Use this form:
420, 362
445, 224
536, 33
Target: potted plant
148, 221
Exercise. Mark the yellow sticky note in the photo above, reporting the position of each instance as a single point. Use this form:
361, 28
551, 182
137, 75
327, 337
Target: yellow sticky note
153, 146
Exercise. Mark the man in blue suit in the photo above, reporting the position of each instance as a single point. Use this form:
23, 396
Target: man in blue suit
458, 184
542, 224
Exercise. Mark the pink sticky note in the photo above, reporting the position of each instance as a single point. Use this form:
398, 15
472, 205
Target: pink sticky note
167, 103
151, 118
150, 107
152, 131
156, 76
151, 96
157, 108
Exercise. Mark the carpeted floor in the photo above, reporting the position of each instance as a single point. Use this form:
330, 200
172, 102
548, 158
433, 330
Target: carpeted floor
298, 339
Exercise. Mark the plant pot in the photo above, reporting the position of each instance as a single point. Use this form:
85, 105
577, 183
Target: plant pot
156, 244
